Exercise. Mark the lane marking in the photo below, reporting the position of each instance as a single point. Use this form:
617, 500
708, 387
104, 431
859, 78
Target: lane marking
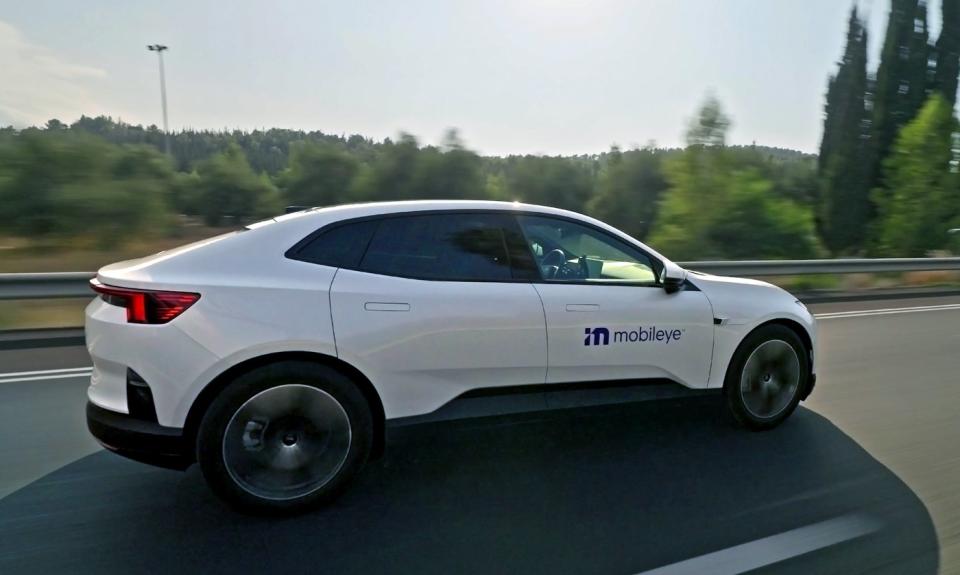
888, 311
774, 549
21, 376
44, 372
46, 377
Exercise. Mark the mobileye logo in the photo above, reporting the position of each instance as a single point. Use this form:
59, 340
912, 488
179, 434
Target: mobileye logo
601, 335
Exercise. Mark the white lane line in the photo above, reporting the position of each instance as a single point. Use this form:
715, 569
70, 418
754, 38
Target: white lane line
46, 377
888, 311
44, 372
773, 549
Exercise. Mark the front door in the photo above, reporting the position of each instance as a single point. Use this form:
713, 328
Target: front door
607, 317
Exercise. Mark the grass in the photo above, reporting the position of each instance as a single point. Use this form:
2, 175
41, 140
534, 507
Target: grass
42, 313
18, 255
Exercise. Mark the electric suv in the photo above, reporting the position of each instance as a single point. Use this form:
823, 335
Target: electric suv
275, 355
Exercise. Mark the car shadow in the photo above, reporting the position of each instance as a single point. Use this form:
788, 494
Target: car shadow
616, 489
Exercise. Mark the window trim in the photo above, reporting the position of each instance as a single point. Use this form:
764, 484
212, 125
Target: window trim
293, 252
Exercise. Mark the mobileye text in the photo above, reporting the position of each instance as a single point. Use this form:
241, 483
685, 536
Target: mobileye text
601, 335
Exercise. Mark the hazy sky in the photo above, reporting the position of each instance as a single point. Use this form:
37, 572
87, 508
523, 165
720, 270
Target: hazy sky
514, 76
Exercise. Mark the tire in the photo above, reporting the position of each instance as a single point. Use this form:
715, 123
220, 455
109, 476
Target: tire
766, 377
284, 438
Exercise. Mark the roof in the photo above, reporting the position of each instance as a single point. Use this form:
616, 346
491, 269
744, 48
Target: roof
345, 211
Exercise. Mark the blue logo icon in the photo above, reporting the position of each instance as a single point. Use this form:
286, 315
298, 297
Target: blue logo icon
599, 335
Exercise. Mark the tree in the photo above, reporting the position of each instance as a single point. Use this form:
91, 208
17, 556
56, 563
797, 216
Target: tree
710, 127
628, 190
901, 78
319, 175
56, 186
451, 172
718, 206
948, 52
844, 207
391, 173
229, 188
921, 200
553, 181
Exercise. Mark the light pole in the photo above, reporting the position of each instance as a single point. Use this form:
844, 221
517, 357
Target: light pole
159, 48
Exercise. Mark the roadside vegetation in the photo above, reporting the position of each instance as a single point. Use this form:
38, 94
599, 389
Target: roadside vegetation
886, 181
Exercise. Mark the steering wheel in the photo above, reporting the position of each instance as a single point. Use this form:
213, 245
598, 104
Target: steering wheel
556, 262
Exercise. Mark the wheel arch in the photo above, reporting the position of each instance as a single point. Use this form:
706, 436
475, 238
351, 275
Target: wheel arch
199, 406
794, 326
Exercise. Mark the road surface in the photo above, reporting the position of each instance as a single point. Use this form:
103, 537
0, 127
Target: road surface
863, 478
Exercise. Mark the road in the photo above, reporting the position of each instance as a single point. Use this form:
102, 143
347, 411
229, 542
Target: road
863, 478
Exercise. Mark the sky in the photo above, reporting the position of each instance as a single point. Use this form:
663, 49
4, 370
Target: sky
513, 76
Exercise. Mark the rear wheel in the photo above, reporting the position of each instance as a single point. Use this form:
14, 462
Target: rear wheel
284, 438
766, 376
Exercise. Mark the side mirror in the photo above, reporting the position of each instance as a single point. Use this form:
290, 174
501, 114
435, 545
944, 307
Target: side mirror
672, 277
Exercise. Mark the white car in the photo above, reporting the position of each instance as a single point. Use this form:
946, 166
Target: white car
274, 356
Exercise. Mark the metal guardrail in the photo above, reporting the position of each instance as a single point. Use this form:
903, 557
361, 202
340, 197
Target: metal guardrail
66, 285
808, 267
45, 286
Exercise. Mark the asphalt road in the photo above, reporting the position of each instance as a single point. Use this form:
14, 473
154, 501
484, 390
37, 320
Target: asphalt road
863, 478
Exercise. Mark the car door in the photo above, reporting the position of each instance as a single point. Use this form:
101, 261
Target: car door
607, 316
440, 303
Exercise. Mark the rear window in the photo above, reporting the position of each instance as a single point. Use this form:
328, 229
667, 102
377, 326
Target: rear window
464, 247
340, 246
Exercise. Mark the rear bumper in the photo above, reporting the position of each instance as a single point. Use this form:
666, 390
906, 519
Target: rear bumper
140, 440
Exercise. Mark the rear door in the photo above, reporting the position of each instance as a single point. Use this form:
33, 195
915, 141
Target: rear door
607, 317
440, 303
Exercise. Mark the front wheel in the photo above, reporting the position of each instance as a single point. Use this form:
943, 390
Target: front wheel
766, 377
284, 438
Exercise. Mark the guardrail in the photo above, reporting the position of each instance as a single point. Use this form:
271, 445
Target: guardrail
45, 286
758, 268
75, 284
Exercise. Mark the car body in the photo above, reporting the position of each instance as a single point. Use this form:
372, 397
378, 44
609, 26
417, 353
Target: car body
415, 303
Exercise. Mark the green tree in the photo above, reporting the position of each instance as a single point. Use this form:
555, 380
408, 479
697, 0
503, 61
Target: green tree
718, 206
451, 172
553, 181
56, 186
628, 190
844, 207
229, 188
948, 52
391, 173
319, 175
902, 79
921, 200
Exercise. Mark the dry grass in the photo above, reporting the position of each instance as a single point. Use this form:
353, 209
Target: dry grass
41, 313
21, 256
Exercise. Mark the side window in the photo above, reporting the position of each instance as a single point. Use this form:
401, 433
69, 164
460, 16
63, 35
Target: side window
456, 246
568, 251
340, 246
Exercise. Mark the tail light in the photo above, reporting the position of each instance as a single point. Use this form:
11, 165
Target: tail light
146, 306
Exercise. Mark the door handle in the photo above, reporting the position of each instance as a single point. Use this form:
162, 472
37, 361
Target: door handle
386, 306
582, 307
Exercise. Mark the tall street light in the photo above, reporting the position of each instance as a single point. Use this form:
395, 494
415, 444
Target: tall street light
159, 48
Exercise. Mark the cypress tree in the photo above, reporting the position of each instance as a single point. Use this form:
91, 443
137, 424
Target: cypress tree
948, 52
901, 78
845, 199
